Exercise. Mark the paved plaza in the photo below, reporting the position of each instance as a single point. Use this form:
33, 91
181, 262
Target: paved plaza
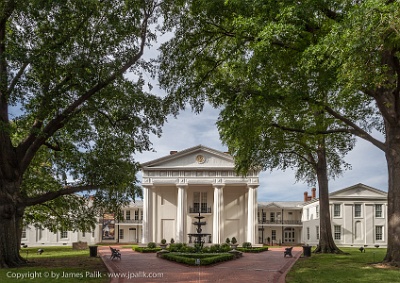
268, 266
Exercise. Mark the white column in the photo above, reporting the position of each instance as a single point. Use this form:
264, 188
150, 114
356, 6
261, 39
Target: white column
180, 215
251, 214
217, 213
146, 217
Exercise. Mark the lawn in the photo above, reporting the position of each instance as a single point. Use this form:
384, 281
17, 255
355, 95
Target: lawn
57, 263
355, 267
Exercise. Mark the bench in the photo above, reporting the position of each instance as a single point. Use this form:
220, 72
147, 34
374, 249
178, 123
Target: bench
115, 253
288, 252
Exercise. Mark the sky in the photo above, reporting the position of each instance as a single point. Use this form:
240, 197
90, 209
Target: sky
189, 129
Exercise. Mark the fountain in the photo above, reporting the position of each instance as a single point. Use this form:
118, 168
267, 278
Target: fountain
198, 236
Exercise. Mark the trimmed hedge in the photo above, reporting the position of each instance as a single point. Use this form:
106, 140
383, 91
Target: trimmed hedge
252, 250
146, 250
190, 259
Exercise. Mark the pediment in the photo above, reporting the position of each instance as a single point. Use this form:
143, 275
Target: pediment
199, 157
359, 191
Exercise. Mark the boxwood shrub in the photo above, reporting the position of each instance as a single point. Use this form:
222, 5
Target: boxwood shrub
147, 250
205, 259
253, 249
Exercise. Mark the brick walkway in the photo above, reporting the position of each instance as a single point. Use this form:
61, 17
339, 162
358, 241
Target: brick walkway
268, 266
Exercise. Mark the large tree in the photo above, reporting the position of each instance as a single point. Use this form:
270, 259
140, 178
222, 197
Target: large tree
71, 119
265, 135
348, 48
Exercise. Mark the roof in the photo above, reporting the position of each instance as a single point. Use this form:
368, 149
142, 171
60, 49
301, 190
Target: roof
282, 204
168, 160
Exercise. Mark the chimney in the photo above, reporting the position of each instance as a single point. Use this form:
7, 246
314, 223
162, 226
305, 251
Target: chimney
305, 196
313, 193
173, 152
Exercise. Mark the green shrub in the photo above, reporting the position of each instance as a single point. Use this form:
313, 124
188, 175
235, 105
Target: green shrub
228, 241
234, 241
147, 250
215, 248
253, 250
206, 250
246, 245
176, 247
225, 247
163, 241
172, 241
205, 259
151, 245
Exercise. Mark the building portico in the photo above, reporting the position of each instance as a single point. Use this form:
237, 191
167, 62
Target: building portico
199, 179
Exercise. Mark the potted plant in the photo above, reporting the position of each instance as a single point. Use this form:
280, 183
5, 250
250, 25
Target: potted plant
228, 241
163, 244
234, 243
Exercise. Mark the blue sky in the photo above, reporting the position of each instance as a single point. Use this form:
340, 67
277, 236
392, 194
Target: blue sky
188, 130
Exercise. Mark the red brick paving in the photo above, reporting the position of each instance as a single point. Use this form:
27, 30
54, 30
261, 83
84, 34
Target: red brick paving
268, 266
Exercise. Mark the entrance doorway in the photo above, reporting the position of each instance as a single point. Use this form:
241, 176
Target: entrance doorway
132, 235
288, 235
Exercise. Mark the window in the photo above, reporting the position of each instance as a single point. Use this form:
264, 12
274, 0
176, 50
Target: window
264, 217
338, 232
64, 234
200, 202
83, 234
121, 233
357, 210
308, 214
317, 232
378, 210
336, 210
273, 235
23, 234
317, 211
136, 214
141, 215
204, 202
272, 217
128, 215
379, 233
308, 233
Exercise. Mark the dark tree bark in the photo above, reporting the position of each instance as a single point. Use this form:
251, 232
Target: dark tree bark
326, 242
11, 213
393, 160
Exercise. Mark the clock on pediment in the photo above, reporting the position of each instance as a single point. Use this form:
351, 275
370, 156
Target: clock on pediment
200, 159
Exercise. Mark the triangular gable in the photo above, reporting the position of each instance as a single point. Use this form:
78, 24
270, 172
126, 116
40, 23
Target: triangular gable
195, 157
359, 191
273, 205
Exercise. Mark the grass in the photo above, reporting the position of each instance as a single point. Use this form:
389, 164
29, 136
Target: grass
355, 267
57, 263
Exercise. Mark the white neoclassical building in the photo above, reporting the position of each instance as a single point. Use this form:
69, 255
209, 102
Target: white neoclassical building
358, 217
178, 186
199, 179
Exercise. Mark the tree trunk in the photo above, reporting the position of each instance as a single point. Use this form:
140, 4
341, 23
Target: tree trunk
11, 213
393, 160
326, 242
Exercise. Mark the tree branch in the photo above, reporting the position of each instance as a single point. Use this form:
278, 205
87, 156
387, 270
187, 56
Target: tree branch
30, 146
356, 130
52, 195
